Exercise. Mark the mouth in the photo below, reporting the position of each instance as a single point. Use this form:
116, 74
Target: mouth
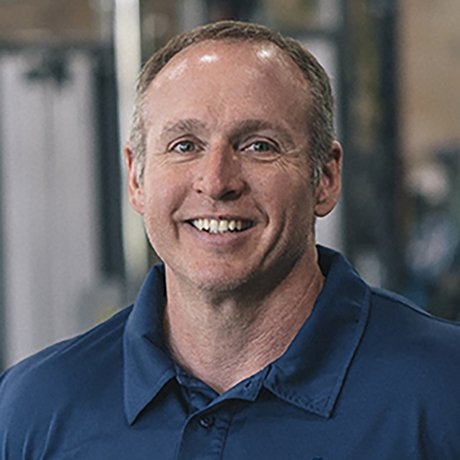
221, 225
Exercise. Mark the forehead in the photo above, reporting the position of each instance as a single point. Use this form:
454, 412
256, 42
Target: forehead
227, 79
252, 58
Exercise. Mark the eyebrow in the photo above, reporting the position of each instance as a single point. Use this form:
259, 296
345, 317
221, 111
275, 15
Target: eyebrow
182, 126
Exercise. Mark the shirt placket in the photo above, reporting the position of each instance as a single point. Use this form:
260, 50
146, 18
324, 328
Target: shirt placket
204, 434
205, 430
210, 415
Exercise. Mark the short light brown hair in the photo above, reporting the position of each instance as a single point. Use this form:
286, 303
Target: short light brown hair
320, 119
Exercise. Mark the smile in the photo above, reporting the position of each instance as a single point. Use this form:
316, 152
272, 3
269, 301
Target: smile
221, 225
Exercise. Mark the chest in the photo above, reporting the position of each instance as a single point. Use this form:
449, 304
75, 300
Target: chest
268, 428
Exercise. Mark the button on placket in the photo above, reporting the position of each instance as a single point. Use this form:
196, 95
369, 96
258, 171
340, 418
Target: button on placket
205, 433
207, 421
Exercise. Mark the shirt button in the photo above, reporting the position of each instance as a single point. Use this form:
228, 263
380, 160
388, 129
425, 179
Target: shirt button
207, 421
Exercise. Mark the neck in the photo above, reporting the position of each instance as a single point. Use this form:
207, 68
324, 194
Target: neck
225, 341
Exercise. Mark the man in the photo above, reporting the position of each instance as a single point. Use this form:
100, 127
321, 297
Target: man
249, 342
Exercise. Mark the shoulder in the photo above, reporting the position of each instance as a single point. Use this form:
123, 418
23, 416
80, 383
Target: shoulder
407, 365
414, 349
33, 390
411, 324
65, 360
65, 355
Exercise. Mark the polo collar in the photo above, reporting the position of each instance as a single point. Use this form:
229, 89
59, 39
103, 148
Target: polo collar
147, 365
309, 375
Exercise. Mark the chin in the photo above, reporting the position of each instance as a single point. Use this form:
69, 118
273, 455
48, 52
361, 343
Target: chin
219, 279
220, 284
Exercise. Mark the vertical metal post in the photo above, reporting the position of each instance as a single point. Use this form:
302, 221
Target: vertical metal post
345, 87
127, 43
2, 260
391, 237
191, 13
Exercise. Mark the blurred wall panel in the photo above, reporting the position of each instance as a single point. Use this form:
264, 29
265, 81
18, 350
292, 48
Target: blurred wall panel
48, 196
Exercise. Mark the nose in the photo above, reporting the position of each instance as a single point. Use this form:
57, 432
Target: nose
220, 175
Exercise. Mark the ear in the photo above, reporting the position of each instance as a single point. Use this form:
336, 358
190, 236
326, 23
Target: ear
135, 189
328, 190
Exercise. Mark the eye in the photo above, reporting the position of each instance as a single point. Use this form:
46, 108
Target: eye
260, 146
261, 149
184, 146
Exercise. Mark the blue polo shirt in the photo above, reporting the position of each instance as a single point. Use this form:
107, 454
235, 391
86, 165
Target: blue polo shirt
367, 377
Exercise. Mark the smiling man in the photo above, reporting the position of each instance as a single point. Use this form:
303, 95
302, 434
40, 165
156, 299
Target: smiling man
229, 201
249, 341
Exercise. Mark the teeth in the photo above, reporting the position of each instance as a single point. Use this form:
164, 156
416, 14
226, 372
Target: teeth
221, 225
213, 226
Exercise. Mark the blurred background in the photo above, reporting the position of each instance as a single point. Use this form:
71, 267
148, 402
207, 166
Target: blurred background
71, 250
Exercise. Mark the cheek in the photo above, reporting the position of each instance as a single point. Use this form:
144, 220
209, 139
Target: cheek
162, 192
286, 189
160, 202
